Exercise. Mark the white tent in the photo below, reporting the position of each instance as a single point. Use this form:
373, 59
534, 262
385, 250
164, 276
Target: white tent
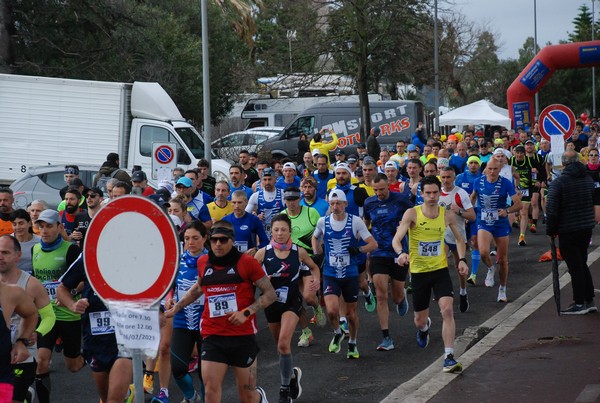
478, 113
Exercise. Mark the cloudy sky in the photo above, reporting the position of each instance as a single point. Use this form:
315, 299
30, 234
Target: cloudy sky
512, 20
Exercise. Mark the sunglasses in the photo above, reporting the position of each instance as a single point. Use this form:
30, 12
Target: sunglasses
91, 195
592, 155
221, 240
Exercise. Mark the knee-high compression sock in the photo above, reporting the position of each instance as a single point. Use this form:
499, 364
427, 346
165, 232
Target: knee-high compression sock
475, 259
285, 368
186, 384
42, 387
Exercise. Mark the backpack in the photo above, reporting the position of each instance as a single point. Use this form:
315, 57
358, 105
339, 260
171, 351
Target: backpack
104, 180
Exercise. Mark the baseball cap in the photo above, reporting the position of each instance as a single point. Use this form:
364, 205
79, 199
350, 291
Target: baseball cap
519, 149
352, 160
139, 176
185, 182
268, 172
316, 151
474, 158
498, 142
50, 216
411, 147
96, 190
343, 166
530, 142
391, 164
361, 145
340, 152
289, 165
337, 194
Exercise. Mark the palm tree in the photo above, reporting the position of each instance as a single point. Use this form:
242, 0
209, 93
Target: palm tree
243, 16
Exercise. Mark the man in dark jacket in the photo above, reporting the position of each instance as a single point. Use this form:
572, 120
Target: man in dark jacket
110, 168
373, 147
570, 215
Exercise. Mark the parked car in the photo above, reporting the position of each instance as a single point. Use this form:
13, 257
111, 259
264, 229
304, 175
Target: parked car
229, 146
44, 183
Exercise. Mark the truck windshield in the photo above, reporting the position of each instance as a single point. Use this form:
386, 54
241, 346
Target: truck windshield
192, 141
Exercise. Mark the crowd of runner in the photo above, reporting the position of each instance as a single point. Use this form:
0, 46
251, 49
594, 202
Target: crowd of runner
315, 237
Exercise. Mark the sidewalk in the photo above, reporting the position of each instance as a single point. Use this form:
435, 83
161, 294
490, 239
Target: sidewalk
546, 358
533, 355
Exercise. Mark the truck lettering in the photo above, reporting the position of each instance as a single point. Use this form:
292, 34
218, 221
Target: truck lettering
389, 114
349, 140
376, 117
401, 109
397, 126
353, 124
339, 127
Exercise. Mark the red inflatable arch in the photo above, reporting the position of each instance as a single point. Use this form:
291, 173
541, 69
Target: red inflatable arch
521, 92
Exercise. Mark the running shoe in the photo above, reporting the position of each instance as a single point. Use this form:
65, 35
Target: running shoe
502, 296
295, 387
148, 383
493, 252
305, 338
262, 394
370, 302
344, 327
489, 279
451, 365
387, 344
198, 399
402, 307
423, 336
522, 240
284, 395
336, 343
591, 307
161, 398
472, 279
575, 309
320, 317
352, 351
130, 394
464, 303
532, 228
193, 364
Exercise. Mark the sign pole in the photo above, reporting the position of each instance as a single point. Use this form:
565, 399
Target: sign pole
138, 375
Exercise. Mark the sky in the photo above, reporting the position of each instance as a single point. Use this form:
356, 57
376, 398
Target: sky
512, 20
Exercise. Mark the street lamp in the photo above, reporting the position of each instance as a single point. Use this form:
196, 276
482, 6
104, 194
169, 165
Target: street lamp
535, 47
291, 36
436, 73
593, 68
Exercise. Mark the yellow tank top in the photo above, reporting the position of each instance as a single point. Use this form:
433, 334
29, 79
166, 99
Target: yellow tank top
426, 243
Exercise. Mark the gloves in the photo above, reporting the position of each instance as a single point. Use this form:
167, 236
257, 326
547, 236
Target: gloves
353, 250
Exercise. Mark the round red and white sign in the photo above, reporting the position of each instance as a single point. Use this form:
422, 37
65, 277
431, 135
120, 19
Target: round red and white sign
131, 251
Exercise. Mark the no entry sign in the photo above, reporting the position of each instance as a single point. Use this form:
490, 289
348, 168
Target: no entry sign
557, 120
131, 251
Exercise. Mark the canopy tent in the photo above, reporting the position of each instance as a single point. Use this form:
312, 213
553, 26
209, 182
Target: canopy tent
478, 113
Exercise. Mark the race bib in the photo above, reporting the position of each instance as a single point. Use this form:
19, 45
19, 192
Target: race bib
242, 246
489, 216
339, 259
51, 287
222, 304
282, 294
430, 248
525, 192
100, 323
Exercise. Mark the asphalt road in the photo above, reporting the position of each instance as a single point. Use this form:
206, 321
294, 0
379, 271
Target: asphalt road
332, 377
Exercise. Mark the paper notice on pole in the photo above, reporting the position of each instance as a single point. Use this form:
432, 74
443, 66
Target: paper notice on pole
136, 328
557, 149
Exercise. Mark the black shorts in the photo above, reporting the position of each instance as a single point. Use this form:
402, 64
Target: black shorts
237, 351
346, 287
100, 354
387, 265
70, 334
24, 376
423, 283
275, 311
362, 267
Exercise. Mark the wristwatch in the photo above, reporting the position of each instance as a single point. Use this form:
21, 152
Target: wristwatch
247, 312
23, 340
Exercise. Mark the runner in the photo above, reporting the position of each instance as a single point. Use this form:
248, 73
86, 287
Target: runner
384, 213
268, 201
228, 278
341, 232
286, 263
249, 229
491, 192
425, 225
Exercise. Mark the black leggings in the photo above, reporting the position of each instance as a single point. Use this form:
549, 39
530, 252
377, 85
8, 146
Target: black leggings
182, 345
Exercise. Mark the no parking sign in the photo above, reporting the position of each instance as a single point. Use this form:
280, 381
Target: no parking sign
557, 120
164, 160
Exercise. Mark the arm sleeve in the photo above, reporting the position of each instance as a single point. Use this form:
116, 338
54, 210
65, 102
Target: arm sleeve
320, 228
48, 318
252, 201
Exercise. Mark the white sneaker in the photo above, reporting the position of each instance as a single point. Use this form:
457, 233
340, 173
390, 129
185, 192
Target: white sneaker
489, 279
502, 295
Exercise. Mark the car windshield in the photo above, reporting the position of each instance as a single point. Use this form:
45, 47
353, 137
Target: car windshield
192, 141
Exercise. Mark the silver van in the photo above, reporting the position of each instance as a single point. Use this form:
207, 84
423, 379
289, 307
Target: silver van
396, 120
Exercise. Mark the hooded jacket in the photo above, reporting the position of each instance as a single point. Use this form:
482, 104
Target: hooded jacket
107, 168
570, 206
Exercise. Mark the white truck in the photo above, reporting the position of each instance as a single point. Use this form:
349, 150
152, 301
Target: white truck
47, 121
